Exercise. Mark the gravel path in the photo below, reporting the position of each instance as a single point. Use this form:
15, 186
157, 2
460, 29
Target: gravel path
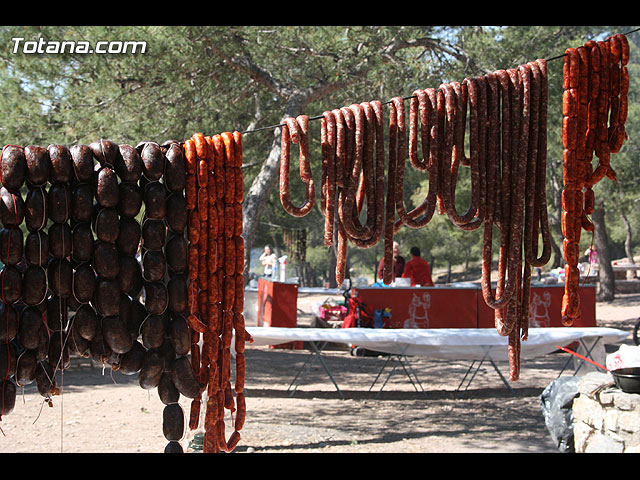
104, 411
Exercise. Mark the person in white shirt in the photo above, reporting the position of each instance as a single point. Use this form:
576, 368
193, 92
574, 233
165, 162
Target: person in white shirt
268, 260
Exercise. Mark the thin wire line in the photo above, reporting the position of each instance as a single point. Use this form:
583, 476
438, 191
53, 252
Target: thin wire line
318, 117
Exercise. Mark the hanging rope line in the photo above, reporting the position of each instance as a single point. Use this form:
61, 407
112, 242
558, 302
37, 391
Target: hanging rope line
318, 117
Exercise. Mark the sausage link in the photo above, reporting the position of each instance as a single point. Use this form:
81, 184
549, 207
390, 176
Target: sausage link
296, 131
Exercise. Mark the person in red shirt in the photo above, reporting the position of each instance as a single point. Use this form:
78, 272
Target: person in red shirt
398, 263
417, 269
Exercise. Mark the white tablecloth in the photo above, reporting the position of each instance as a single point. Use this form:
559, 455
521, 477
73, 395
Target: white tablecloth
444, 343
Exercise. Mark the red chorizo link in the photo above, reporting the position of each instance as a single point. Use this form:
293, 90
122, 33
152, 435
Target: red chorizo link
328, 132
194, 414
296, 131
419, 114
395, 107
239, 328
233, 441
238, 226
347, 202
240, 373
190, 156
241, 411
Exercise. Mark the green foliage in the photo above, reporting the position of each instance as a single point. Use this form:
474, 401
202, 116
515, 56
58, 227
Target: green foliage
201, 78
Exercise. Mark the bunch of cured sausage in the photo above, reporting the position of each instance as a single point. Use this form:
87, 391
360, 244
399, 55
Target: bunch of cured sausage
596, 83
502, 117
103, 271
214, 192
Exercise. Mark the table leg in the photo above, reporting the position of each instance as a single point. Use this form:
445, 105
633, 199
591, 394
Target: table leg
485, 357
311, 359
587, 355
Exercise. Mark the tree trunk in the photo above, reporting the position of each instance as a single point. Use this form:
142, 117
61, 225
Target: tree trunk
606, 278
256, 197
631, 274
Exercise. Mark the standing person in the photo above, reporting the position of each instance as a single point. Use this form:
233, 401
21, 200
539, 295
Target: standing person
398, 263
417, 269
592, 255
268, 260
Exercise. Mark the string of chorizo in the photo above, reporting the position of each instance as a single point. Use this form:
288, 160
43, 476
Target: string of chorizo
422, 118
296, 131
368, 168
396, 108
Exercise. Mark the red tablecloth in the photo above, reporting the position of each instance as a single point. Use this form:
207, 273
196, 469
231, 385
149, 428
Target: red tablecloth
443, 307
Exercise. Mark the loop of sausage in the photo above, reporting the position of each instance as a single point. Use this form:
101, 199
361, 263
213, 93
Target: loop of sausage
426, 103
328, 188
363, 173
541, 222
296, 131
396, 109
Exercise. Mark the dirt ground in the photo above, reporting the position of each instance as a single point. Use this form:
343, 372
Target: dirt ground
101, 411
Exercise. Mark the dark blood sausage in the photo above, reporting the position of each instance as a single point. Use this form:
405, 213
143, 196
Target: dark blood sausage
176, 212
13, 167
35, 209
26, 368
173, 422
154, 265
128, 164
151, 371
106, 187
60, 276
36, 248
59, 203
154, 233
129, 275
105, 151
132, 361
84, 282
154, 197
60, 240
184, 378
8, 323
34, 285
177, 290
85, 321
61, 164
8, 356
179, 334
11, 245
106, 297
152, 331
105, 260
156, 297
116, 335
130, 199
174, 176
37, 165
129, 236
12, 208
176, 251
153, 160
167, 391
8, 392
82, 242
82, 202
31, 323
83, 163
11, 284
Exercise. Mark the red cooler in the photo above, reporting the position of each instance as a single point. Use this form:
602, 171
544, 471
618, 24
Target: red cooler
277, 307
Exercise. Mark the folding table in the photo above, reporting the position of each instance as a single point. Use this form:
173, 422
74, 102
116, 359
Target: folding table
479, 344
